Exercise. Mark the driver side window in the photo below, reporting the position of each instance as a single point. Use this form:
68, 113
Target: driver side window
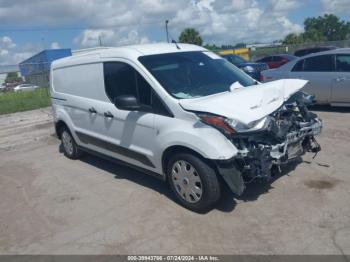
122, 79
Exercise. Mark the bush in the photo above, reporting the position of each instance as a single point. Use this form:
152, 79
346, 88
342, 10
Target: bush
21, 101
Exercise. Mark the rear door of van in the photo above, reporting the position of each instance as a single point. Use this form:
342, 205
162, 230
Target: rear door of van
81, 95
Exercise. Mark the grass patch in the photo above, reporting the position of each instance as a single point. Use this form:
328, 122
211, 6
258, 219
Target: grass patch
15, 102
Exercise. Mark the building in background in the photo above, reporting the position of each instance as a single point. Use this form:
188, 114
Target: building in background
36, 69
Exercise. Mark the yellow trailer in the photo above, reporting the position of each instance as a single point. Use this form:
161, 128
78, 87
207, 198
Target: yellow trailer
243, 52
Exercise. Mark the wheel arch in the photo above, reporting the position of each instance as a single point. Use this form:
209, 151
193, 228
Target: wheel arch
171, 150
58, 127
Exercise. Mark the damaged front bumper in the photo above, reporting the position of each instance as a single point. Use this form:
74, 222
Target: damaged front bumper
290, 133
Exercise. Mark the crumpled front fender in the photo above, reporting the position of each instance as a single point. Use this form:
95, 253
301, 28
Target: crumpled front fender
232, 176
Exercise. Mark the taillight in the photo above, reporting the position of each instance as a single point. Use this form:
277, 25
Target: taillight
261, 78
217, 122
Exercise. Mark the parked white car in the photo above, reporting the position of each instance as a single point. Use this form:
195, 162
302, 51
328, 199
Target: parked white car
25, 87
181, 113
327, 73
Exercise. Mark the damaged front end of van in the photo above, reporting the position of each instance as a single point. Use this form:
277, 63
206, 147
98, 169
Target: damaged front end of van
266, 143
283, 136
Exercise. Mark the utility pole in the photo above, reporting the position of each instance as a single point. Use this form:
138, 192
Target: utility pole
166, 30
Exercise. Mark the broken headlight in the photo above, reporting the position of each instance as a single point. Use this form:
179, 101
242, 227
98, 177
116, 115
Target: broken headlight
218, 122
230, 126
257, 125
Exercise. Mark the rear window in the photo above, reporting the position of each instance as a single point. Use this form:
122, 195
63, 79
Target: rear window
322, 63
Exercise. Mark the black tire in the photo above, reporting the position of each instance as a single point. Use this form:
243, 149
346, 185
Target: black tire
74, 152
210, 184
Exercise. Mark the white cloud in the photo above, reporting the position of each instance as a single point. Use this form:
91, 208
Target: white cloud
284, 6
7, 51
230, 21
120, 22
95, 37
228, 6
12, 54
336, 6
55, 45
125, 22
3, 52
6, 42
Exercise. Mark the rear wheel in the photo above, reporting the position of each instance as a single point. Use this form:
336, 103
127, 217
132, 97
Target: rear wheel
70, 147
193, 182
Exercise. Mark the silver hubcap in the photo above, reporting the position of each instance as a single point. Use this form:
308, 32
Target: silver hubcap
187, 181
67, 142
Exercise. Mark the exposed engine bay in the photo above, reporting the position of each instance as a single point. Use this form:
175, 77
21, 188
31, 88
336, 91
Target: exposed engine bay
287, 133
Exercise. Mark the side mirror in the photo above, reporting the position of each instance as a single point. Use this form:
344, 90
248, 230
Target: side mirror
127, 102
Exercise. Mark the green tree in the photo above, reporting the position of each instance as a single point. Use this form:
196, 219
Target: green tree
191, 36
12, 77
211, 47
293, 39
328, 27
313, 35
322, 28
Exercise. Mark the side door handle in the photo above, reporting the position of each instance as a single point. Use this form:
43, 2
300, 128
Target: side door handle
92, 110
108, 114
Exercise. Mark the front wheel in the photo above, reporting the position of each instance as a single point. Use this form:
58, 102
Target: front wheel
193, 182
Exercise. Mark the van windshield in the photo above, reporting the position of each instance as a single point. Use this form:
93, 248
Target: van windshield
194, 74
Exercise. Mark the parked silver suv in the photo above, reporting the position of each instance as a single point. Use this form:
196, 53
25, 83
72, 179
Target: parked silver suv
327, 73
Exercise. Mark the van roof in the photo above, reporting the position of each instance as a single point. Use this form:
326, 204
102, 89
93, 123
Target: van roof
129, 52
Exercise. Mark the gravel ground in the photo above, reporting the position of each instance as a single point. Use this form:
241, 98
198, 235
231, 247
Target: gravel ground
53, 205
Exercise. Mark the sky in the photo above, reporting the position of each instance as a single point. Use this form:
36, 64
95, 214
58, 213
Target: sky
29, 26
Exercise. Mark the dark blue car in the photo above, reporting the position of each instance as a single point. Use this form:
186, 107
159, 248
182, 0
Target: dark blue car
250, 68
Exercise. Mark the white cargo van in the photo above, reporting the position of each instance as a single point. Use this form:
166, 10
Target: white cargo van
181, 113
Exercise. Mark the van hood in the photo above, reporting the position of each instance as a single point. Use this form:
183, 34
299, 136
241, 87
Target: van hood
246, 104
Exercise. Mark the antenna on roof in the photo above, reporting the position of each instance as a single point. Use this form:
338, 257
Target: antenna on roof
166, 30
167, 35
173, 41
